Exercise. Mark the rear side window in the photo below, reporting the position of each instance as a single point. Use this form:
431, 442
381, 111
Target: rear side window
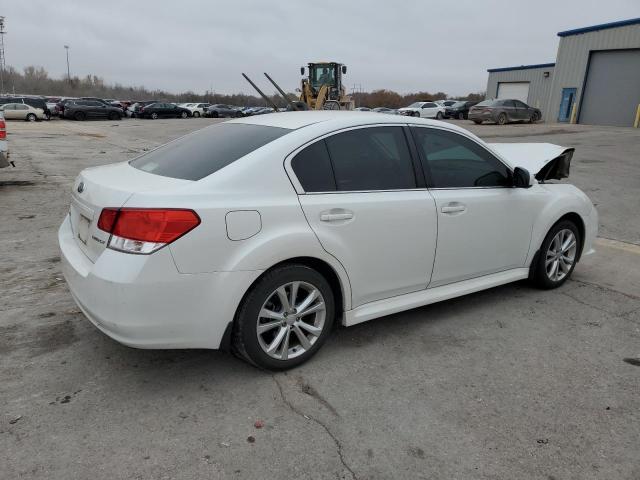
372, 158
313, 168
453, 161
205, 151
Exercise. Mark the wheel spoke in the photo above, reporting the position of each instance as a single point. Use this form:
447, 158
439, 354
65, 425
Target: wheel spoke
273, 346
284, 355
568, 245
554, 269
318, 307
304, 341
266, 313
308, 300
294, 293
265, 327
312, 329
282, 295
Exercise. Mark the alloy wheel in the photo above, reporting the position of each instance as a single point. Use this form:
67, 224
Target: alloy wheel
561, 255
291, 320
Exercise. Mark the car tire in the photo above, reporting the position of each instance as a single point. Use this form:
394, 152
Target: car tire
184, 115
534, 118
558, 255
460, 116
477, 122
237, 114
79, 116
502, 119
415, 114
196, 114
114, 116
31, 117
439, 116
47, 116
154, 116
215, 114
265, 347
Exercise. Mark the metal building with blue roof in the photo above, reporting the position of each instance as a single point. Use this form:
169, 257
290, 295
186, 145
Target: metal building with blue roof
594, 80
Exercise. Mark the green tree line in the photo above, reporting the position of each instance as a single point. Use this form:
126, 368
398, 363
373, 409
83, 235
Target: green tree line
36, 81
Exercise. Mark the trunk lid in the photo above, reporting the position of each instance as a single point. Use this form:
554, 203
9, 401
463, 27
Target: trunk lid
545, 161
107, 186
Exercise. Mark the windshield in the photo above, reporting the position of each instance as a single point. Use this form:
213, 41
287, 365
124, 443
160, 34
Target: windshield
416, 105
458, 104
205, 151
486, 103
321, 75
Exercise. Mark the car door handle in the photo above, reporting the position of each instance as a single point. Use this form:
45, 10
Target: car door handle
336, 216
453, 207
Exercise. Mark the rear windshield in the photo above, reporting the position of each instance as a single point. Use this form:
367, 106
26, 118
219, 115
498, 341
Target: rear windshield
201, 153
487, 103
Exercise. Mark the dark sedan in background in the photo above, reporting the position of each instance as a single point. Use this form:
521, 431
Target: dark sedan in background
221, 110
459, 110
90, 109
163, 110
503, 111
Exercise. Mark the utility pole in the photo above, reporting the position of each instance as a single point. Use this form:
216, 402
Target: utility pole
66, 47
2, 62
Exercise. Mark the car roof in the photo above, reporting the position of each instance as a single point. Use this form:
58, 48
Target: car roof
339, 119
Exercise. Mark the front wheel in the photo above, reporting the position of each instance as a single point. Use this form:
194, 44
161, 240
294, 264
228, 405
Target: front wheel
439, 116
502, 119
79, 116
557, 256
477, 122
460, 116
31, 117
285, 318
154, 116
196, 114
184, 115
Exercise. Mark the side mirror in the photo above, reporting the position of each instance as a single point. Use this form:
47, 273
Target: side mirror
521, 178
301, 70
344, 69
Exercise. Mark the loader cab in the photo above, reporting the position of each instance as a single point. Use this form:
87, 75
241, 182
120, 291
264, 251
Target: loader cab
325, 73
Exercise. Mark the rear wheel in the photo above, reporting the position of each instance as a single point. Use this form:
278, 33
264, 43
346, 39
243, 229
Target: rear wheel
285, 318
533, 118
79, 116
502, 119
154, 116
184, 115
114, 116
557, 256
215, 114
196, 114
31, 117
238, 114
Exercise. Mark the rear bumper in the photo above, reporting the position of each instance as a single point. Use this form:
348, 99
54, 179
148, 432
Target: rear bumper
488, 116
142, 301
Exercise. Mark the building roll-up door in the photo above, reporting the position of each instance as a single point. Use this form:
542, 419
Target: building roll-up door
612, 89
514, 90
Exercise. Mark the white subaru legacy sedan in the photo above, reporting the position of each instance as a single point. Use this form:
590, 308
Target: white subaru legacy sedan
260, 234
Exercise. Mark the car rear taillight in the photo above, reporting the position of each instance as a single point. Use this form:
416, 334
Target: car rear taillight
3, 130
145, 230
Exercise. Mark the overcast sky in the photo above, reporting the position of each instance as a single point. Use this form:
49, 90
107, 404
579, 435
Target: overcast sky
403, 45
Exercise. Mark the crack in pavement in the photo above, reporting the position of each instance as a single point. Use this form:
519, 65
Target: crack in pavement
295, 410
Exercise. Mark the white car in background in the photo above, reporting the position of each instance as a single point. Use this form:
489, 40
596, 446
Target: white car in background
423, 110
197, 109
22, 111
262, 233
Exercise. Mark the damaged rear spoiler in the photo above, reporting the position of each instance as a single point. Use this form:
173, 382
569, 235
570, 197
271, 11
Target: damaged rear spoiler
545, 161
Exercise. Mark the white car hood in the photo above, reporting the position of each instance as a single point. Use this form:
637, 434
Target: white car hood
543, 160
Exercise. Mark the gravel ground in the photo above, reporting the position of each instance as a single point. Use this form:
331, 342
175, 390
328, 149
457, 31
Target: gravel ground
510, 383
